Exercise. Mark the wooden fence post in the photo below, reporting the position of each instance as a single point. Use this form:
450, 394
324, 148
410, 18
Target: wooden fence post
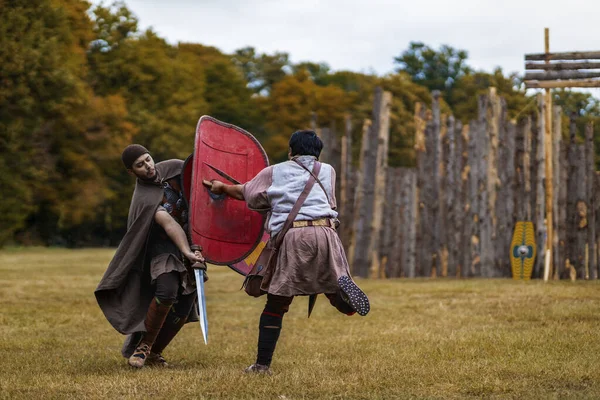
365, 256
357, 256
436, 201
505, 202
390, 252
451, 189
558, 191
474, 196
590, 183
346, 206
540, 193
489, 111
597, 205
562, 210
442, 190
577, 209
463, 206
381, 115
423, 240
409, 221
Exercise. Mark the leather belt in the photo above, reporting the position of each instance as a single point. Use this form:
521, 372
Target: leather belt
317, 222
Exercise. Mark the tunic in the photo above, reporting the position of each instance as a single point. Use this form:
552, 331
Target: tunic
312, 258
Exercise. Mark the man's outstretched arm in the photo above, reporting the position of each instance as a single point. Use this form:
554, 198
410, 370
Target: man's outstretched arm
218, 187
177, 235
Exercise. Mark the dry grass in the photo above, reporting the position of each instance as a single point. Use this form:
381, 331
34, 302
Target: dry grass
423, 339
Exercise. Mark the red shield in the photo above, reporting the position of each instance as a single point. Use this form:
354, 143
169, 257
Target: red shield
243, 267
225, 228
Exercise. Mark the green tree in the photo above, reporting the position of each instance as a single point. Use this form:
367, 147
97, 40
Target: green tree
261, 71
226, 91
434, 69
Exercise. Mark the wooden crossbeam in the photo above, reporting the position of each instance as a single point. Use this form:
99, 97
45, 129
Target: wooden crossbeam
581, 83
575, 55
563, 75
562, 66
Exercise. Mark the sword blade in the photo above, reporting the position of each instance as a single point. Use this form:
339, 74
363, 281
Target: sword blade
223, 174
312, 299
201, 303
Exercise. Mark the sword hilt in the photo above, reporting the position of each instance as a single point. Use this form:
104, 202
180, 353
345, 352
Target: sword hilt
198, 265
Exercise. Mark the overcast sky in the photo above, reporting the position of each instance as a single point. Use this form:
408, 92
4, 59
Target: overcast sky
366, 35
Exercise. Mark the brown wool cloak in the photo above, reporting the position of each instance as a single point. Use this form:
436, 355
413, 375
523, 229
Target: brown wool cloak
124, 293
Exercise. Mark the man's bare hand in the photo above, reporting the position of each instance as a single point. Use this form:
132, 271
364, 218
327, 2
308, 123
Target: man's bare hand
214, 186
194, 257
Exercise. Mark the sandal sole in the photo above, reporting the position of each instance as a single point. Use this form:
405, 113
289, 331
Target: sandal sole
356, 297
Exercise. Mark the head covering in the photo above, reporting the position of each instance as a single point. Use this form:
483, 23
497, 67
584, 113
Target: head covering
131, 153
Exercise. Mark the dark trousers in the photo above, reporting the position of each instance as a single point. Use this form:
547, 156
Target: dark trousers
168, 286
269, 327
167, 290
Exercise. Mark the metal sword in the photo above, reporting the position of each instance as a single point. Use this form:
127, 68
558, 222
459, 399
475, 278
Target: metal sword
223, 174
199, 273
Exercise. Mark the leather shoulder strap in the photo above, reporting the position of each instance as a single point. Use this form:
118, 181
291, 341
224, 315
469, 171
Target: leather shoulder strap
316, 176
292, 215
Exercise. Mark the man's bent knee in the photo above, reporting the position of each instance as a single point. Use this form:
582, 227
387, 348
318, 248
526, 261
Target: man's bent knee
167, 287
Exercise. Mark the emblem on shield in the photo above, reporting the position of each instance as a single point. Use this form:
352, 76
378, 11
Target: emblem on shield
523, 250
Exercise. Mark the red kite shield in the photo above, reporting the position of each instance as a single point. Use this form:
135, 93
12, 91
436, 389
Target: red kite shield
225, 228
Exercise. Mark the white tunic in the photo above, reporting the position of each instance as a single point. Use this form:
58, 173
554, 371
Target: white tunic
288, 182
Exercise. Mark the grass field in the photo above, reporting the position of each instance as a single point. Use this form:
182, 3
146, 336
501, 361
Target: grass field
434, 339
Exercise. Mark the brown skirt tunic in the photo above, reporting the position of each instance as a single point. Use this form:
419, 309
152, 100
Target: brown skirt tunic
311, 259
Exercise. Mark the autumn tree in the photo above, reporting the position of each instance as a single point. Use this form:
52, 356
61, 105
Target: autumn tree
469, 87
290, 105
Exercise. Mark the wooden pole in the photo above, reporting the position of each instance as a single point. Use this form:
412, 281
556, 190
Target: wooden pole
409, 228
476, 158
381, 114
539, 206
451, 190
505, 200
423, 243
462, 233
436, 200
557, 211
575, 55
591, 178
357, 256
585, 83
560, 75
489, 112
563, 66
346, 207
548, 147
577, 209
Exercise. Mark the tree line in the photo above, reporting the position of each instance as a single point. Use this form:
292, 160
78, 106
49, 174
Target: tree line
79, 83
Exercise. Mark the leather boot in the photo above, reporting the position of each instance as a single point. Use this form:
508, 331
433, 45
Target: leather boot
169, 330
157, 313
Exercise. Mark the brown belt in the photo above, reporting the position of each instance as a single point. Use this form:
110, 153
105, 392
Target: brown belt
317, 222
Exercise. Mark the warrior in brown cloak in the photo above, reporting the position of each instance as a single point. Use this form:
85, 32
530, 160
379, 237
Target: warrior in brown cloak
147, 292
310, 259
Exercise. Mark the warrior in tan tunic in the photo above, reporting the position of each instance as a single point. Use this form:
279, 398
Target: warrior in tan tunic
311, 259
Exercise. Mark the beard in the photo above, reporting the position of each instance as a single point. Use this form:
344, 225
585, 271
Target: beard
146, 178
